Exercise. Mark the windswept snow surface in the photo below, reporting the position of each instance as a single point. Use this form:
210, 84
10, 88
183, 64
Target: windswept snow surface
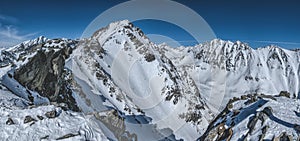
64, 123
257, 118
167, 83
121, 64
156, 90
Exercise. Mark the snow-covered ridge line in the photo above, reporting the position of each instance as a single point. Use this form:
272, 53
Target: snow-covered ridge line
121, 70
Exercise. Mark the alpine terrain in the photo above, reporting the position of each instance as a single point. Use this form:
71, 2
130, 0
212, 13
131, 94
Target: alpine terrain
118, 85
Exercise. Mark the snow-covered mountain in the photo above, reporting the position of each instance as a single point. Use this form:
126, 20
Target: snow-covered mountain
129, 88
240, 69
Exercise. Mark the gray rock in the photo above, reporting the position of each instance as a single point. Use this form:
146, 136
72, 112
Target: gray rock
149, 57
10, 121
268, 111
297, 128
67, 136
285, 94
284, 137
45, 137
252, 122
51, 114
29, 119
45, 73
40, 117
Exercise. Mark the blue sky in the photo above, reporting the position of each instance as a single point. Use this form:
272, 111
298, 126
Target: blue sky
258, 22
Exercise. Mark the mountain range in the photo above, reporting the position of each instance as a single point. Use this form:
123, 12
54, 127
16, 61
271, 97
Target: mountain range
118, 85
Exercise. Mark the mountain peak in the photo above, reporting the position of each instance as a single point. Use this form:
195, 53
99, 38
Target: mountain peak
122, 22
38, 40
121, 70
221, 47
120, 32
29, 43
113, 27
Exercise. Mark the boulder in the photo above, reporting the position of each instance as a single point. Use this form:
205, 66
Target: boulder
10, 121
51, 114
29, 119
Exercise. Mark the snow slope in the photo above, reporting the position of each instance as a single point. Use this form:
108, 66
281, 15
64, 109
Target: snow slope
241, 69
65, 125
121, 64
184, 88
132, 88
257, 117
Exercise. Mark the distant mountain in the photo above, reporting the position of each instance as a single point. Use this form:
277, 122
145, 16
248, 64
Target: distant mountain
129, 88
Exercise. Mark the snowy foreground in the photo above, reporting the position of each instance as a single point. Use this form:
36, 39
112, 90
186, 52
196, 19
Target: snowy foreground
118, 85
257, 117
19, 121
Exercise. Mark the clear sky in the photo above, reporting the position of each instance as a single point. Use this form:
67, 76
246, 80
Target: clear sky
258, 22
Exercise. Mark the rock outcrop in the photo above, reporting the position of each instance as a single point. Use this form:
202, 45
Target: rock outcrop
45, 74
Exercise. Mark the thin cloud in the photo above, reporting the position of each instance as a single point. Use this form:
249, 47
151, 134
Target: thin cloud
10, 35
8, 19
262, 43
276, 42
13, 33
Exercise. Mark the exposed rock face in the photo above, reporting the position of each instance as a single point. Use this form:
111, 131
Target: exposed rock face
116, 124
45, 74
256, 117
284, 137
5, 58
182, 80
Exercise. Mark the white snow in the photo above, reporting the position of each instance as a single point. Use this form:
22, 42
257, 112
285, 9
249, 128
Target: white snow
67, 122
110, 70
